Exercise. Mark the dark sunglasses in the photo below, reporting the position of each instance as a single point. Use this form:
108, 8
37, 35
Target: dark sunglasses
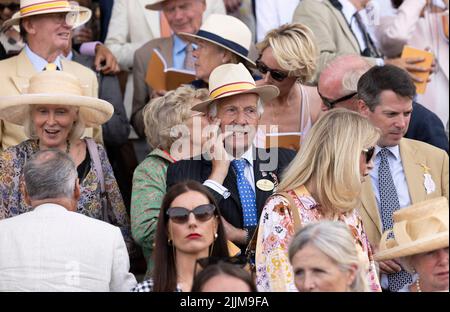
330, 103
181, 215
276, 74
368, 152
11, 6
240, 260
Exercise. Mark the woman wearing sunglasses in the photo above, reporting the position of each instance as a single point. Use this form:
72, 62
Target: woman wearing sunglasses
323, 182
189, 228
288, 60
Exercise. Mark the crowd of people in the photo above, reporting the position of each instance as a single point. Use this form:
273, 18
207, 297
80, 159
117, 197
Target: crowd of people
302, 147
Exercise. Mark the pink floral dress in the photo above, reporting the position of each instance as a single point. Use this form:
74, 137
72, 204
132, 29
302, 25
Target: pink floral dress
276, 229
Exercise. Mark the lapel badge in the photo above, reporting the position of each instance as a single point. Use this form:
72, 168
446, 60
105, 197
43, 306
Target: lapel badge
428, 182
265, 185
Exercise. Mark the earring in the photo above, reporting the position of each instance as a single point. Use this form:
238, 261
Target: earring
215, 236
169, 242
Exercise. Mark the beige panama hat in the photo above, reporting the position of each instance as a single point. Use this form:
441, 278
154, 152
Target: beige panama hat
37, 7
155, 5
232, 79
417, 229
225, 31
55, 88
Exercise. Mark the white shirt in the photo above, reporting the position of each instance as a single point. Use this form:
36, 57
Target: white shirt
348, 9
248, 173
38, 62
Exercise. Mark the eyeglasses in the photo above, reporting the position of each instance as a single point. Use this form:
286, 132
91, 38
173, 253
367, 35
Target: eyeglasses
276, 74
11, 6
369, 152
331, 103
202, 213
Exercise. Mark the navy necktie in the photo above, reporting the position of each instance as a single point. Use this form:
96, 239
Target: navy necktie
388, 204
246, 194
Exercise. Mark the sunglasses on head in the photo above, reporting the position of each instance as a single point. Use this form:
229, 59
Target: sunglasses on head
11, 6
202, 213
331, 103
276, 74
368, 152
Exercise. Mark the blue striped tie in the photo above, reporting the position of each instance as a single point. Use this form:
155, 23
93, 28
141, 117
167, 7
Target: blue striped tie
246, 194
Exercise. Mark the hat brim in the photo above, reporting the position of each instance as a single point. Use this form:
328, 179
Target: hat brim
92, 110
266, 93
155, 6
434, 242
192, 38
84, 16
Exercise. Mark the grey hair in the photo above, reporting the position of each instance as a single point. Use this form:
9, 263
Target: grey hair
333, 239
30, 131
350, 81
212, 109
49, 174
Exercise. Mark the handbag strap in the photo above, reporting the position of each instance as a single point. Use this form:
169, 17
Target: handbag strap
93, 151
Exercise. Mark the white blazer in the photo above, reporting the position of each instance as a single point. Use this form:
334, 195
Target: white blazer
53, 249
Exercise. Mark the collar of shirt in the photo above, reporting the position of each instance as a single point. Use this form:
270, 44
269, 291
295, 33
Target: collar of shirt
38, 62
395, 150
179, 51
69, 56
248, 155
348, 9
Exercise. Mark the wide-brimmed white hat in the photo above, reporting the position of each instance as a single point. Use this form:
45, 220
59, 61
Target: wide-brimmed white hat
417, 229
232, 79
55, 88
225, 31
38, 7
155, 5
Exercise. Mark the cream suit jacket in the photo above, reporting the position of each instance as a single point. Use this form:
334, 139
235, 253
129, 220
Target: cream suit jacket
53, 249
14, 79
415, 155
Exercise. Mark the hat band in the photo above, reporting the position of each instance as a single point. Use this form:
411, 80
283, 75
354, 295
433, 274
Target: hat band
43, 6
232, 87
228, 43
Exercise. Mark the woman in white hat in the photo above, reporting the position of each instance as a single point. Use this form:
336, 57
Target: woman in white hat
420, 243
54, 113
287, 60
222, 39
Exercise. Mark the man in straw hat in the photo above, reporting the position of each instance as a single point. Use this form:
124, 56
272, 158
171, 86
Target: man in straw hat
53, 249
45, 26
182, 16
419, 240
405, 171
240, 186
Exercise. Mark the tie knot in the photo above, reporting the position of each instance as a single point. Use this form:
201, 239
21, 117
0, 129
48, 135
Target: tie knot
384, 153
51, 67
239, 165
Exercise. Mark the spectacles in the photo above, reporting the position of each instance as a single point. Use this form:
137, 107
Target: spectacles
11, 6
202, 213
331, 103
70, 18
369, 152
276, 74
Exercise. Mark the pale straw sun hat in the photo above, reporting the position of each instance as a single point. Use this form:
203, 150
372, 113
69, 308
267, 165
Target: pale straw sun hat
420, 228
55, 88
233, 79
38, 7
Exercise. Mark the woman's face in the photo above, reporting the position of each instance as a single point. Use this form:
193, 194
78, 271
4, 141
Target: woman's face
432, 268
208, 57
53, 123
225, 283
268, 61
193, 236
315, 271
365, 166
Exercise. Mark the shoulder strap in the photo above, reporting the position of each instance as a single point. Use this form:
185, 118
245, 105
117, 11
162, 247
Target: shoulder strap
93, 151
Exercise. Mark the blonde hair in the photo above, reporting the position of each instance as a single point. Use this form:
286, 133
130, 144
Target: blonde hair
75, 133
163, 113
329, 159
333, 238
294, 49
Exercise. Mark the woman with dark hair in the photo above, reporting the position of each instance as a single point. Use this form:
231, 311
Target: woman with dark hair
223, 277
181, 239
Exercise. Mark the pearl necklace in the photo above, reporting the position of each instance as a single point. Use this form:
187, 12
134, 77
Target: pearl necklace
418, 285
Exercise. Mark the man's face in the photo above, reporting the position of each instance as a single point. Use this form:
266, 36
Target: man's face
392, 116
184, 15
238, 114
50, 31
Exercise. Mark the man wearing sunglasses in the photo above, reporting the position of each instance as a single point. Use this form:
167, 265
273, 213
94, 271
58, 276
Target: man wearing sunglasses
240, 176
405, 171
337, 88
45, 26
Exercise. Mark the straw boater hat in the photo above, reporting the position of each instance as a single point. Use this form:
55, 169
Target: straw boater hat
224, 31
417, 229
232, 79
156, 5
38, 7
55, 88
